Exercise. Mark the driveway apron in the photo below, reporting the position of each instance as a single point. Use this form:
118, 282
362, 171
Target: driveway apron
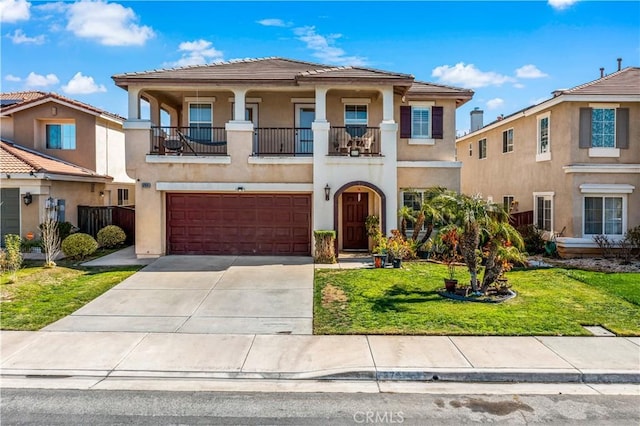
205, 294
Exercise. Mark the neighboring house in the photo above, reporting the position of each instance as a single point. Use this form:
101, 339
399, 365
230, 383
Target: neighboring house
573, 160
57, 153
256, 154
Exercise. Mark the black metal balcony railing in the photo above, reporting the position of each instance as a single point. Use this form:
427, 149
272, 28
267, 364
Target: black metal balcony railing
188, 140
349, 139
283, 141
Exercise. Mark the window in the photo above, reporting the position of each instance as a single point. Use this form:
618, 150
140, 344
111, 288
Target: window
543, 210
507, 203
413, 200
543, 152
507, 141
603, 215
603, 128
355, 114
61, 136
123, 196
482, 148
420, 125
201, 121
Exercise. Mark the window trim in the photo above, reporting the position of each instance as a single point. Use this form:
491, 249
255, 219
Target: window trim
359, 123
543, 156
125, 201
61, 124
603, 195
547, 194
506, 132
510, 205
429, 140
482, 143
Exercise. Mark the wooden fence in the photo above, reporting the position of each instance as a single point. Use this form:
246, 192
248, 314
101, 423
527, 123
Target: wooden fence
92, 219
521, 218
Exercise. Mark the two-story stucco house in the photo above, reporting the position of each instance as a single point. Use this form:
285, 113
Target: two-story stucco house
574, 160
57, 153
251, 156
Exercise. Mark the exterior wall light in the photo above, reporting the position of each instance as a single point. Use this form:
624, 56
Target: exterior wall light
327, 192
27, 199
101, 194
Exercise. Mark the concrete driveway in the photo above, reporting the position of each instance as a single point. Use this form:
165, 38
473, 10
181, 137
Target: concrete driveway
205, 294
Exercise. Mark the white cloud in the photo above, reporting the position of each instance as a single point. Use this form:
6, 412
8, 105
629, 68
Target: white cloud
324, 47
530, 71
19, 37
272, 22
518, 85
197, 52
468, 76
82, 85
110, 23
37, 80
495, 103
14, 10
561, 4
54, 7
11, 77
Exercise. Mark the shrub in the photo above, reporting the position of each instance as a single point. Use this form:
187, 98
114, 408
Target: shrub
324, 249
64, 229
111, 236
633, 235
532, 237
605, 244
13, 260
79, 245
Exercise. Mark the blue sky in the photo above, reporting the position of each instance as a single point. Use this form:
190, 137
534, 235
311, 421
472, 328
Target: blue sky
512, 54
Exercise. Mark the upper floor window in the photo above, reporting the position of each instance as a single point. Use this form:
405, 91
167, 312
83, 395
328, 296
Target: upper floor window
543, 152
604, 129
355, 114
61, 136
201, 121
420, 122
507, 141
482, 148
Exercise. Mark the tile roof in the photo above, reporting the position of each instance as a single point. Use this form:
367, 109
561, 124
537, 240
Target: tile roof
623, 82
24, 99
18, 159
263, 69
420, 88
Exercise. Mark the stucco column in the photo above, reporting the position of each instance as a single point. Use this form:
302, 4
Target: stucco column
322, 209
321, 104
239, 104
389, 144
387, 105
134, 103
154, 111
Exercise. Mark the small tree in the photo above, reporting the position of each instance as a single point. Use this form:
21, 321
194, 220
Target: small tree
51, 242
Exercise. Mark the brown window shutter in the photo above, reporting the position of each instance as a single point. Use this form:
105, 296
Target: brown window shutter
405, 122
437, 123
585, 128
622, 128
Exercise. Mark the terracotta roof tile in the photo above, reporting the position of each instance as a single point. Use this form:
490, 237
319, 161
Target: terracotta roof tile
18, 159
29, 97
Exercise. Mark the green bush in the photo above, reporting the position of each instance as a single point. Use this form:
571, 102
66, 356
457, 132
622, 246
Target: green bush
79, 245
13, 259
64, 229
111, 236
532, 237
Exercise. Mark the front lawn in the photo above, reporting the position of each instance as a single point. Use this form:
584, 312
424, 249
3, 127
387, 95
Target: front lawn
405, 301
39, 296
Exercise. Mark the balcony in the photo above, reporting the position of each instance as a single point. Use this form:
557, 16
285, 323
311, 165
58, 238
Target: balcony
188, 141
354, 141
282, 141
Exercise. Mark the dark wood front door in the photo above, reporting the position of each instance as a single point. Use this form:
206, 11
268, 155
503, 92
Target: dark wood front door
355, 208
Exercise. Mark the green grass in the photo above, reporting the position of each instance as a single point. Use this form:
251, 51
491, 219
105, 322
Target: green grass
405, 301
37, 296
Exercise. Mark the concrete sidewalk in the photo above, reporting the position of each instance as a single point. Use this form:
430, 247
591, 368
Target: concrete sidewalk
109, 360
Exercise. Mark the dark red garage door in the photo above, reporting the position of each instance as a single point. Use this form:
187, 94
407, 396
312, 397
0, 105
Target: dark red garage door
247, 224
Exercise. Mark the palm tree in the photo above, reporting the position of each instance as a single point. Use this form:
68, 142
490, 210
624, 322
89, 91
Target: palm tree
406, 214
433, 210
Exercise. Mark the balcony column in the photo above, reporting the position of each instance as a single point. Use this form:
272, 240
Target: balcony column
154, 111
321, 104
387, 105
239, 104
134, 103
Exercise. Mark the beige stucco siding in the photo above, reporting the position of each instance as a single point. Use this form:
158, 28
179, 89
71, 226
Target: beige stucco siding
29, 131
419, 178
6, 128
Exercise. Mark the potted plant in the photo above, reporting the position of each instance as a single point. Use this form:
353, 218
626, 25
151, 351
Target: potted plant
450, 239
397, 247
379, 249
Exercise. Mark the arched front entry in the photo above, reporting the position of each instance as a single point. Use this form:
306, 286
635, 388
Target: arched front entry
351, 205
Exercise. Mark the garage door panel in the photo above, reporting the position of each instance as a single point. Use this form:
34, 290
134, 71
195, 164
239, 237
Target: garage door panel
259, 224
